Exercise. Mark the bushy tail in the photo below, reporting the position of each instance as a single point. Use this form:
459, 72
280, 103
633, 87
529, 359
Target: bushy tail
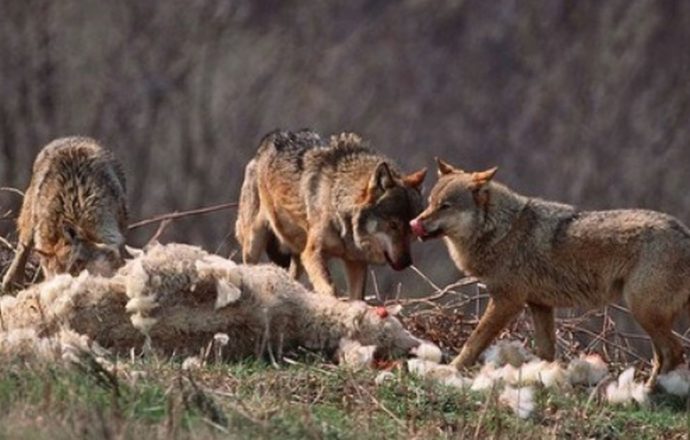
250, 228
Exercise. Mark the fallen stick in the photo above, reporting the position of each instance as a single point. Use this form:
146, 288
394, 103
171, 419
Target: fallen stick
180, 214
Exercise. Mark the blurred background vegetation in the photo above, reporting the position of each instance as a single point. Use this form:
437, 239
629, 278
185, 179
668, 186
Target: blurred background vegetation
587, 102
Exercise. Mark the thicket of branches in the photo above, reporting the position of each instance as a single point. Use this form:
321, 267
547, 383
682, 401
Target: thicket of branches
585, 102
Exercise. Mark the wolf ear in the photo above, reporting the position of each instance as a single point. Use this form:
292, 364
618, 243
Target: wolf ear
381, 179
415, 180
446, 168
481, 178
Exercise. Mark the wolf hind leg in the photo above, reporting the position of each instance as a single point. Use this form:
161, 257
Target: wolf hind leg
658, 323
544, 331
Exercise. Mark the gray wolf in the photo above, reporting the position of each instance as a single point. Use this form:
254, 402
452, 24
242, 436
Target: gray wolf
327, 199
546, 255
74, 213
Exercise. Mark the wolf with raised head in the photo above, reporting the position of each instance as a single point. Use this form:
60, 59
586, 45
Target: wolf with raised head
327, 199
546, 255
74, 213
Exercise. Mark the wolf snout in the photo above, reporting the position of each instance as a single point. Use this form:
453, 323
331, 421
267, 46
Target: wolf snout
400, 263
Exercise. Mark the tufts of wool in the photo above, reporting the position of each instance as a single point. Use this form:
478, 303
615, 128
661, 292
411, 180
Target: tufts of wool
384, 376
676, 382
191, 363
553, 375
507, 352
428, 351
354, 355
421, 367
487, 378
587, 370
625, 389
520, 400
457, 381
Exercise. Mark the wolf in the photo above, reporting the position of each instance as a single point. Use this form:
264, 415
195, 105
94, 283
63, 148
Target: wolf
322, 200
74, 213
546, 255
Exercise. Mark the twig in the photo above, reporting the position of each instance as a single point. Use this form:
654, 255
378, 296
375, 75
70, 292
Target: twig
161, 228
180, 214
11, 190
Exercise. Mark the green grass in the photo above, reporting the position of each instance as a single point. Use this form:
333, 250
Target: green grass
156, 399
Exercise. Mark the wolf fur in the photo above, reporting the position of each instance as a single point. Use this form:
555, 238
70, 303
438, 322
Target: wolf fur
545, 254
324, 200
176, 299
74, 212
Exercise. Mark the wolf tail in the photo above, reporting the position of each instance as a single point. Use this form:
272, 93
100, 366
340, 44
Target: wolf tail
252, 231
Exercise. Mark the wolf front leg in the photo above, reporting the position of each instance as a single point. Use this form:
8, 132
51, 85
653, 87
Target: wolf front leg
356, 278
15, 273
498, 314
315, 263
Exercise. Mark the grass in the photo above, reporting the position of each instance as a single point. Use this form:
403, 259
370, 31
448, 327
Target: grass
313, 399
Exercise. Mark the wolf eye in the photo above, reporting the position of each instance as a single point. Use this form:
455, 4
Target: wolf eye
444, 205
393, 225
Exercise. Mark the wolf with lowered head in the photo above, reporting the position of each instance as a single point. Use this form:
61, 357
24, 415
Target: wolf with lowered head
546, 255
74, 213
327, 199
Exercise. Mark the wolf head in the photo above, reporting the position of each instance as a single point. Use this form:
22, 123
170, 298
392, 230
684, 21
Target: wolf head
458, 204
76, 252
389, 202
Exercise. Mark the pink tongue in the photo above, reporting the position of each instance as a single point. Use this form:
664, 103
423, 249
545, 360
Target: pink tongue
417, 228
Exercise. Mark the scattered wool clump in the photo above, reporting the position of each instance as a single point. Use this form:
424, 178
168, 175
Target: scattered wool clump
354, 355
384, 376
520, 400
507, 352
587, 370
626, 390
676, 382
192, 363
428, 351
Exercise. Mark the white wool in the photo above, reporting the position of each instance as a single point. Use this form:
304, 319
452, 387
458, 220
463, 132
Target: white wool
221, 338
520, 400
214, 263
144, 324
137, 278
487, 378
141, 304
354, 355
625, 389
428, 351
191, 363
420, 367
553, 375
441, 372
457, 381
55, 288
227, 294
508, 374
7, 302
587, 370
676, 382
507, 352
383, 376
530, 373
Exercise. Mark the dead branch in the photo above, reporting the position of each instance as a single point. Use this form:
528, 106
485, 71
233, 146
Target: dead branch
180, 214
12, 190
